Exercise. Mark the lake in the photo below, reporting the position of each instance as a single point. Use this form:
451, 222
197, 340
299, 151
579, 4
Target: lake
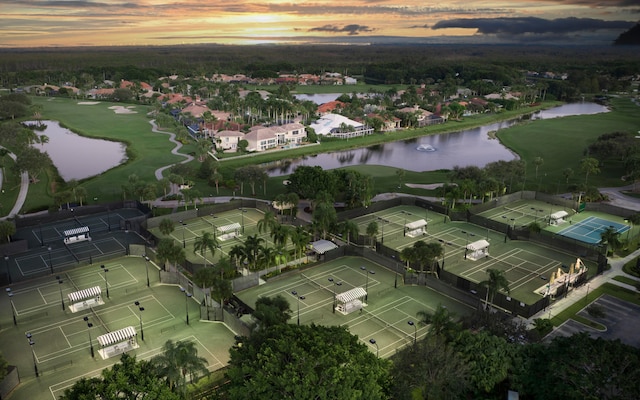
472, 147
78, 157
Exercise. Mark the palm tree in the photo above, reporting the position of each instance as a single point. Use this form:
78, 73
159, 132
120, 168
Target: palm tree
299, 238
205, 242
610, 237
268, 222
179, 359
266, 256
252, 250
441, 321
166, 226
238, 254
280, 234
349, 229
372, 232
496, 281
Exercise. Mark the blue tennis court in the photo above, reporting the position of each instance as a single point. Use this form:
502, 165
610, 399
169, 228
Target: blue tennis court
589, 230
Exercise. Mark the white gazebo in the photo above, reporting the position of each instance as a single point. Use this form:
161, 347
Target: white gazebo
85, 298
76, 235
415, 228
227, 232
117, 342
557, 218
350, 301
477, 250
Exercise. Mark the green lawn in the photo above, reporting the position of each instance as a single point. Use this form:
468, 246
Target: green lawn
146, 150
561, 143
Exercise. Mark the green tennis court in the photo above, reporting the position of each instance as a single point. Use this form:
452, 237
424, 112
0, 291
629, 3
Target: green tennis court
187, 231
62, 339
521, 213
386, 315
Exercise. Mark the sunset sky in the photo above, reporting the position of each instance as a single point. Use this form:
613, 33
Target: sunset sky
35, 23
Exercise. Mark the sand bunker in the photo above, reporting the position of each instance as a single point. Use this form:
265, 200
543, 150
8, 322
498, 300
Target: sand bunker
88, 103
430, 187
123, 110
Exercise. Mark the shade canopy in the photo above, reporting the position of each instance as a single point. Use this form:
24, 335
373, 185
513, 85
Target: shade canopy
416, 224
322, 246
119, 336
76, 231
558, 214
350, 295
478, 245
84, 294
229, 228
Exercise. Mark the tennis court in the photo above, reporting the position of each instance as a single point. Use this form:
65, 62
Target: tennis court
187, 231
62, 339
590, 229
521, 213
388, 310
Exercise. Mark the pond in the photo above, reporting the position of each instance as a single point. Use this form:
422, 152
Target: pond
78, 157
472, 147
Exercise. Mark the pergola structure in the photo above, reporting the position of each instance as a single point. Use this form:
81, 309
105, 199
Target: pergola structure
227, 232
322, 246
415, 228
350, 301
477, 250
557, 217
85, 298
76, 235
117, 342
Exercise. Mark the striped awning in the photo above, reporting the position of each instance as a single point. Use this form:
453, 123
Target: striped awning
76, 231
416, 224
118, 336
350, 295
322, 246
84, 294
229, 228
478, 245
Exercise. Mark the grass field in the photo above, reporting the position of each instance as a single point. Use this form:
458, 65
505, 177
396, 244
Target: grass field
61, 337
385, 317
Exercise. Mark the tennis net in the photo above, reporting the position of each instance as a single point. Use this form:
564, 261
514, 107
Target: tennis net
402, 334
317, 285
98, 319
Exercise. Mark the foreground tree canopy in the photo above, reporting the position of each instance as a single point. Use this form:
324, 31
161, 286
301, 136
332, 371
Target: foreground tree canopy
305, 362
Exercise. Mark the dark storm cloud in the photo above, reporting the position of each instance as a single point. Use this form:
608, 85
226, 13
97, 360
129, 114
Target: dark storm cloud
532, 25
352, 29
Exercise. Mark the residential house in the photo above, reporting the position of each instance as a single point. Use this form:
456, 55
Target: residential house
424, 117
228, 140
336, 125
263, 138
330, 107
388, 124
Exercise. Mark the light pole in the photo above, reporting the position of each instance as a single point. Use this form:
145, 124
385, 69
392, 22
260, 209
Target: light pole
146, 265
299, 298
415, 331
106, 282
50, 263
184, 243
60, 282
187, 295
242, 211
366, 285
13, 307
137, 303
373, 342
335, 283
466, 242
89, 326
33, 353
382, 222
536, 214
6, 263
404, 223
395, 268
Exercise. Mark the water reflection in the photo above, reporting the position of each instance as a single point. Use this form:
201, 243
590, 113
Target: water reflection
476, 147
78, 157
